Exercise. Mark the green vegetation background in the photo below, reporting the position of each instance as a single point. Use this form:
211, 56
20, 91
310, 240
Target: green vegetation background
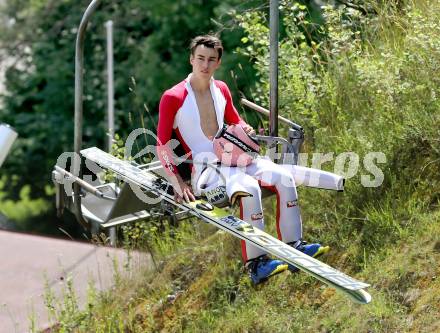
364, 79
37, 41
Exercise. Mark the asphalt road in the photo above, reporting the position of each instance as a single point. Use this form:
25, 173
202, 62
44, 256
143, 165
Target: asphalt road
29, 263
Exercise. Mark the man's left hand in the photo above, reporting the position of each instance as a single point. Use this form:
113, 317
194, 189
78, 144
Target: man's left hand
248, 129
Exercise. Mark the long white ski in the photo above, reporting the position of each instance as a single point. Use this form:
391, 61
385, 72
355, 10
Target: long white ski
157, 187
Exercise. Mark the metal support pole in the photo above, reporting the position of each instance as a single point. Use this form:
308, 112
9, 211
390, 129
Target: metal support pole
79, 87
110, 86
273, 68
110, 107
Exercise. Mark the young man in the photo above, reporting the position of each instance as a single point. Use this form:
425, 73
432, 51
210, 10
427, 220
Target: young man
195, 110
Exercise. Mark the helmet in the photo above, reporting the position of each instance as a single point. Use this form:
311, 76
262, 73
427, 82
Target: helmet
233, 147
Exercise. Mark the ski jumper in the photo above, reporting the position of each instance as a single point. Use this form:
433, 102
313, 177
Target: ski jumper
178, 113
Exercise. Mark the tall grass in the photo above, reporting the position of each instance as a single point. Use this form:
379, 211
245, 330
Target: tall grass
362, 84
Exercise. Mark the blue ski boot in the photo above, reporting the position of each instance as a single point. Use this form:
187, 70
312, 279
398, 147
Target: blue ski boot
313, 250
262, 268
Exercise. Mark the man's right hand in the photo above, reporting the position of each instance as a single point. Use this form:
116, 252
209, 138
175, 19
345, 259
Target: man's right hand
182, 191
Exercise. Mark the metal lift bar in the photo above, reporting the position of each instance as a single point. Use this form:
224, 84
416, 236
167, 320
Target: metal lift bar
86, 186
79, 89
266, 112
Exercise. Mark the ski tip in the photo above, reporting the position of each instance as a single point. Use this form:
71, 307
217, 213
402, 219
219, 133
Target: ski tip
360, 296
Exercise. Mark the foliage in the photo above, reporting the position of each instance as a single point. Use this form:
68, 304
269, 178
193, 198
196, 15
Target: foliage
37, 41
365, 95
24, 208
150, 39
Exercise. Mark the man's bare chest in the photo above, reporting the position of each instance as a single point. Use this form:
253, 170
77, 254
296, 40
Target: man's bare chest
208, 117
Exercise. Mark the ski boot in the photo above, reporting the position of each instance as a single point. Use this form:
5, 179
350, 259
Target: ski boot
262, 268
313, 250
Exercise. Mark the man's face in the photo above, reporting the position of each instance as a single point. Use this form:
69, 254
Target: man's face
204, 61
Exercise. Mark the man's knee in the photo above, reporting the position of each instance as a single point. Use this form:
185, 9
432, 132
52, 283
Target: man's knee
244, 183
279, 177
253, 188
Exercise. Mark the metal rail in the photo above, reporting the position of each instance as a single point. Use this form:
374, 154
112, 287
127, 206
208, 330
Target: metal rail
266, 112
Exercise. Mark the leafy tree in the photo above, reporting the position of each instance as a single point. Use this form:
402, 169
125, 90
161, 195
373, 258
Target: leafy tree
37, 45
151, 54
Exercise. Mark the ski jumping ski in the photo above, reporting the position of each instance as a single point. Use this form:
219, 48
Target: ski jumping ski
155, 186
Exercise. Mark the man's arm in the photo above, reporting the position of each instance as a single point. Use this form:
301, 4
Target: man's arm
167, 111
168, 107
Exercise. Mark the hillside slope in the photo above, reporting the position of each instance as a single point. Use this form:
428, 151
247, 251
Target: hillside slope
213, 296
202, 288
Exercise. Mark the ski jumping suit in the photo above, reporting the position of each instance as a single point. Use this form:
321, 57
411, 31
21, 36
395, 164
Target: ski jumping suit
178, 112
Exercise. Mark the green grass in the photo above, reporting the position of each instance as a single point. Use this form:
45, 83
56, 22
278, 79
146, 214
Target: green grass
204, 289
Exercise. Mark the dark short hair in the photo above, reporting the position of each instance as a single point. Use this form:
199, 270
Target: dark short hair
210, 41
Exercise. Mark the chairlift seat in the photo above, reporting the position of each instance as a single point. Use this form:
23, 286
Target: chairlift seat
120, 205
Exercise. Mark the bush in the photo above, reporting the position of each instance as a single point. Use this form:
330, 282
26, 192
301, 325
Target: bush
356, 93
